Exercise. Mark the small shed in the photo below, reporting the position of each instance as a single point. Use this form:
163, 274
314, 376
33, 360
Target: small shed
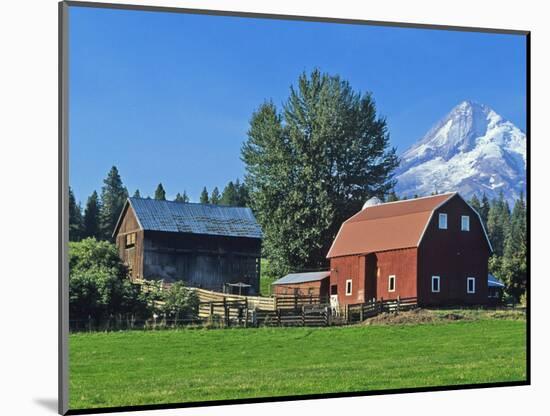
495, 288
303, 284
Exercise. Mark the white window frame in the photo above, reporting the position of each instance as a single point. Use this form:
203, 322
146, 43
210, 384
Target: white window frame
349, 285
468, 280
438, 278
442, 217
390, 277
467, 218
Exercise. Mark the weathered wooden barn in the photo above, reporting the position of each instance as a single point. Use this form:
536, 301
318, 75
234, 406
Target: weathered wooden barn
433, 248
213, 247
303, 284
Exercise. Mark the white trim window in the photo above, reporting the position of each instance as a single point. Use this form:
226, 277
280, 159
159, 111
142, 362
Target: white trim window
442, 221
471, 285
465, 223
436, 284
349, 287
391, 283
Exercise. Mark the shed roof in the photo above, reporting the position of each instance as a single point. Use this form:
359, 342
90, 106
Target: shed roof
179, 217
492, 281
293, 278
387, 226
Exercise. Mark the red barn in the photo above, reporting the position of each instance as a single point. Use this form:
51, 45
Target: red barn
433, 248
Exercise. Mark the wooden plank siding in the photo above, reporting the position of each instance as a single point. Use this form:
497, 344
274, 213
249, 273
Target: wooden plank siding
454, 255
202, 261
132, 257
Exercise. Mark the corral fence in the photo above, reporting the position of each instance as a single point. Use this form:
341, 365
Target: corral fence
226, 310
361, 311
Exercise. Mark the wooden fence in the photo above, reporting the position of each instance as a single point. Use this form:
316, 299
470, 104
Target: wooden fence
253, 302
307, 315
297, 301
361, 311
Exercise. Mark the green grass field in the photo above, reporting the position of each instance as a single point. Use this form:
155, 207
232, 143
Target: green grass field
170, 366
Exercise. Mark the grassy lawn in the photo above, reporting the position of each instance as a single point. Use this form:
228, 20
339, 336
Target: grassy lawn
147, 367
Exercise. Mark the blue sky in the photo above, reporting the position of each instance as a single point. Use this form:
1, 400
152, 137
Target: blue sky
168, 97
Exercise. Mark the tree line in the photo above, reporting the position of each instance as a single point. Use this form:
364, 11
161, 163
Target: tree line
99, 216
507, 231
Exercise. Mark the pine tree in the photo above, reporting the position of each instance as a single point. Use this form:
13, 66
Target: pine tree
484, 209
392, 197
498, 223
204, 196
182, 197
242, 194
91, 216
113, 197
229, 195
302, 176
160, 194
475, 204
514, 261
137, 194
75, 218
215, 197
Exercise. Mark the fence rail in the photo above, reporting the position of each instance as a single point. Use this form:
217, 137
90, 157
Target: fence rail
361, 311
224, 310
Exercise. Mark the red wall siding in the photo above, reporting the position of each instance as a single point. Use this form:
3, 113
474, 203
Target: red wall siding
318, 288
342, 269
402, 264
453, 255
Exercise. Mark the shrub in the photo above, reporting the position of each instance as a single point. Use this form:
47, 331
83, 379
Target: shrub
98, 284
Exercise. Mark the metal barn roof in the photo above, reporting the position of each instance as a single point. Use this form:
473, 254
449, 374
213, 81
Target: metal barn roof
492, 281
293, 278
171, 216
388, 226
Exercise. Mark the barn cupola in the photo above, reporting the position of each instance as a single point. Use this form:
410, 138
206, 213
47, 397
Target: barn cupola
372, 202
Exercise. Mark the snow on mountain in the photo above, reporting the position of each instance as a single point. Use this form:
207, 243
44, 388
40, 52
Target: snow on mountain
471, 150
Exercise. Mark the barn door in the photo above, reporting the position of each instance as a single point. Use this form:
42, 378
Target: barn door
372, 272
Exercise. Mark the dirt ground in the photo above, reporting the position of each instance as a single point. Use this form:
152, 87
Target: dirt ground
428, 316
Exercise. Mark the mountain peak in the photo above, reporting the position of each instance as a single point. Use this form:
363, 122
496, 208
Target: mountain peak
470, 136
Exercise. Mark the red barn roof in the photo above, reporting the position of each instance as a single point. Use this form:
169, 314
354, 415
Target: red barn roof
388, 226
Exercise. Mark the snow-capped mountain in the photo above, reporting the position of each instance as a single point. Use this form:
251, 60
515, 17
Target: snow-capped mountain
471, 150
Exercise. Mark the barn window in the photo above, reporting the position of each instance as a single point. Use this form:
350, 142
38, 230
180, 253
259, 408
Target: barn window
471, 285
348, 287
391, 283
443, 221
130, 240
465, 223
435, 284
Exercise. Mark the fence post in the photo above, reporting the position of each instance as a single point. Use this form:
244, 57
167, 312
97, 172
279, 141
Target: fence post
398, 304
381, 304
246, 314
211, 314
279, 316
225, 312
303, 315
347, 313
361, 312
